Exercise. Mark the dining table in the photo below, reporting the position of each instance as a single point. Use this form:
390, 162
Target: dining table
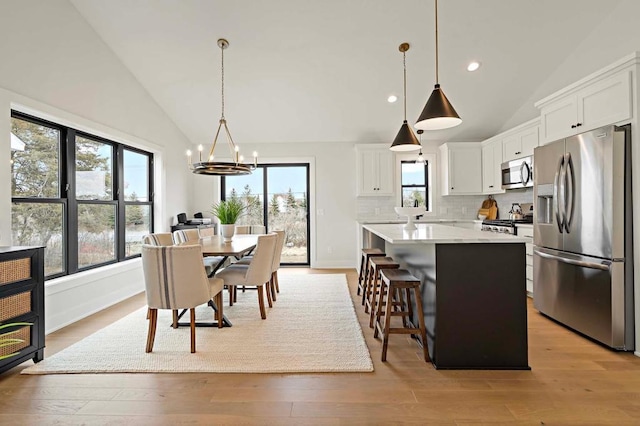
215, 245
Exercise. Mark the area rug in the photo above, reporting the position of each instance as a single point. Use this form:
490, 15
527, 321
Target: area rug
312, 328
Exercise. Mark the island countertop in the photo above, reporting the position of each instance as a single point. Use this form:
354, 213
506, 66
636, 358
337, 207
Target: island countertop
433, 233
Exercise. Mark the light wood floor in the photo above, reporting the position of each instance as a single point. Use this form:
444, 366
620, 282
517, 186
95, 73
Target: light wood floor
572, 381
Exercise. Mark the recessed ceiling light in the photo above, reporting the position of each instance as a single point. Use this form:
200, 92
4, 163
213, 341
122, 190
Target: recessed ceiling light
473, 66
391, 99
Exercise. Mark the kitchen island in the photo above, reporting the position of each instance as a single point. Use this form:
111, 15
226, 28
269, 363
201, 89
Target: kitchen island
473, 291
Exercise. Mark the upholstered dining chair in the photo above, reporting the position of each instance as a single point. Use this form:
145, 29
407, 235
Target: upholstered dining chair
257, 273
158, 239
193, 236
175, 279
274, 287
206, 232
251, 229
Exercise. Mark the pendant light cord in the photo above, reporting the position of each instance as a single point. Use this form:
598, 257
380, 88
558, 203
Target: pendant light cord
404, 66
222, 79
437, 79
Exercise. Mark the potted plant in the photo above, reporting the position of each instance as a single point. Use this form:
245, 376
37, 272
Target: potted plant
228, 212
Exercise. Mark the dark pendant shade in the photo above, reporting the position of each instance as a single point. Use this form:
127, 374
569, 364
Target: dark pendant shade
438, 113
405, 139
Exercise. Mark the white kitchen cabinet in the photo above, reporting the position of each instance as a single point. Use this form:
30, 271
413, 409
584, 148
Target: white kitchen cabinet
491, 161
591, 103
520, 144
374, 170
461, 168
527, 232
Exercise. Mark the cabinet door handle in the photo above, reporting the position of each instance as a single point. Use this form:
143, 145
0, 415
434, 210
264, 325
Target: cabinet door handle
573, 126
519, 152
578, 124
490, 186
452, 187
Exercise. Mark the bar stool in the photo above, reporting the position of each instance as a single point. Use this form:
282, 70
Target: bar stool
367, 253
376, 264
393, 282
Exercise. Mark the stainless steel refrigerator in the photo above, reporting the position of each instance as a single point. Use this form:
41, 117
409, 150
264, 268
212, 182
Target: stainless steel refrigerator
582, 258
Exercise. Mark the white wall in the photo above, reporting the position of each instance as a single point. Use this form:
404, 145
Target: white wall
332, 198
55, 66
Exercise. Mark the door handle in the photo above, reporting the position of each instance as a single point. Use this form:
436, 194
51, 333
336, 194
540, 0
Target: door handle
570, 185
556, 196
605, 265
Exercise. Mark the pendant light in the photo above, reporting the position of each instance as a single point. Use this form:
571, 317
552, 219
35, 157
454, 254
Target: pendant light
438, 113
405, 139
421, 159
220, 168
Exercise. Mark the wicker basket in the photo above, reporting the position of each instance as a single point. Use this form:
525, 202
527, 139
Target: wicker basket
15, 270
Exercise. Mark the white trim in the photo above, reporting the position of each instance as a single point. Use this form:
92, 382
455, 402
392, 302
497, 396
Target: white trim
68, 282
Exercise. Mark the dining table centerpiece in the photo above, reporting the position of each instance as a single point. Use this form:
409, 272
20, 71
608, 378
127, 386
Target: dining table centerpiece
228, 212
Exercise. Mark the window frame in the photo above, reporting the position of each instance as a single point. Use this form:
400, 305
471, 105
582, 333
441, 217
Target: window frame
67, 196
426, 185
265, 205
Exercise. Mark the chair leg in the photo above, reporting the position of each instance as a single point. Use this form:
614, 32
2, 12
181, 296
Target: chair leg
272, 286
268, 293
151, 334
219, 304
175, 319
148, 313
231, 290
276, 281
263, 313
193, 330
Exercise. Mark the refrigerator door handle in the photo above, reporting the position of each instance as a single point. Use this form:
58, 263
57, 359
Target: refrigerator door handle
570, 184
605, 265
556, 196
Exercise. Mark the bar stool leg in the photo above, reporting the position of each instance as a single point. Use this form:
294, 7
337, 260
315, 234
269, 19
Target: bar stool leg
380, 306
423, 329
377, 288
387, 323
361, 275
367, 287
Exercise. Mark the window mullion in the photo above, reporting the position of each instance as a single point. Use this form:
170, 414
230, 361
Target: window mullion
118, 190
71, 215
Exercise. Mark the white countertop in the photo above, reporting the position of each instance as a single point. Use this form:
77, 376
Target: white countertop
431, 233
370, 220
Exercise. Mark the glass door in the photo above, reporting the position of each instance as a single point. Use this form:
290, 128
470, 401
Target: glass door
277, 195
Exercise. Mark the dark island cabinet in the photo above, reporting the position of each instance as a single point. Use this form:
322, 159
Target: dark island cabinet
22, 300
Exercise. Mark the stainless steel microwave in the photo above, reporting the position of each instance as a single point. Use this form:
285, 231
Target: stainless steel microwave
517, 173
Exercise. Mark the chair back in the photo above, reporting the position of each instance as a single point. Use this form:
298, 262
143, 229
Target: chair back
259, 271
278, 251
174, 276
158, 239
184, 235
251, 229
206, 232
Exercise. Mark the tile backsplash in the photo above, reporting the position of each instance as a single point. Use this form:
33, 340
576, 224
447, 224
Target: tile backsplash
449, 207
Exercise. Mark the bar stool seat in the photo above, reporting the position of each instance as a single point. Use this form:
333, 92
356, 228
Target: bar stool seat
367, 253
372, 284
393, 282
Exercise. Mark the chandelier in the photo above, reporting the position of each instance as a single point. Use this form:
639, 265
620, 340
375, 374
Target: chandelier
220, 168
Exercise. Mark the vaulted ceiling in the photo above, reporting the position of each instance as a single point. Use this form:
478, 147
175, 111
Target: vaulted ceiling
321, 71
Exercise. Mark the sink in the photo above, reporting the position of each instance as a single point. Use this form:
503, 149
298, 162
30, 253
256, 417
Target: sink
410, 213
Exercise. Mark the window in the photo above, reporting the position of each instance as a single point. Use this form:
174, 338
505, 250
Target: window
278, 196
414, 181
86, 199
